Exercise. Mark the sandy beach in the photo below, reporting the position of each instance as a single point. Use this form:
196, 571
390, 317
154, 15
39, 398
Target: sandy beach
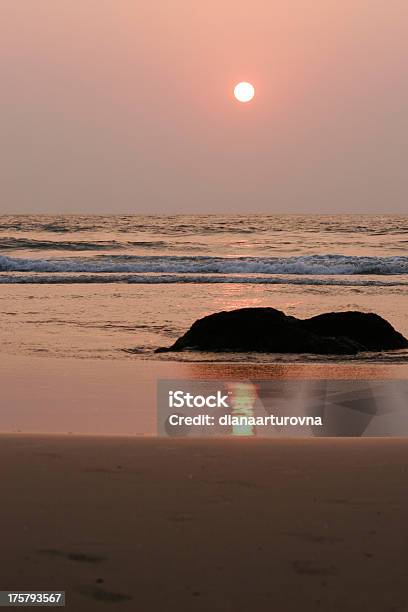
127, 523
137, 522
108, 397
203, 305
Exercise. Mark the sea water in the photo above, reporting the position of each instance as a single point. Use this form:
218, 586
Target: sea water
118, 287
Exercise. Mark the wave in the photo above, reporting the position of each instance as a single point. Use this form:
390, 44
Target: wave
158, 279
209, 224
322, 265
7, 244
42, 245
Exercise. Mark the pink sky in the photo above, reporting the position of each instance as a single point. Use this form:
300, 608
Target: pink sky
126, 106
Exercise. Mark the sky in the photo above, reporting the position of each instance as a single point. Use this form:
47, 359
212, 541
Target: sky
126, 106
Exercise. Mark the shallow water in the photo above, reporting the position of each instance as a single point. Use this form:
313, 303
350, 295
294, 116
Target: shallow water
117, 287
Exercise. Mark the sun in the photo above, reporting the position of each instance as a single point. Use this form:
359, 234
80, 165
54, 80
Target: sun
244, 92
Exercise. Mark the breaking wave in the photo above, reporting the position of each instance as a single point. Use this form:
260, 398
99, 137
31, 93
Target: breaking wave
157, 279
321, 265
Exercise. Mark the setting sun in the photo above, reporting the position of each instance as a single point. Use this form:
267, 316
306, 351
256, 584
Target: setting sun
244, 92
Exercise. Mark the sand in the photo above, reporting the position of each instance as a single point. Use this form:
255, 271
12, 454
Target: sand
119, 397
127, 523
132, 522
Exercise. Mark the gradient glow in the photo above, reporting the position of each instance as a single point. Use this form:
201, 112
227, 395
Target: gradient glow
117, 106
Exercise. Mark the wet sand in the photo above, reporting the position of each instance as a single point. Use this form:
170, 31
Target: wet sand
108, 397
126, 523
139, 523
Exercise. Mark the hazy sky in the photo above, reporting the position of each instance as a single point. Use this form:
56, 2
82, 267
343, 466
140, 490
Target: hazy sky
126, 106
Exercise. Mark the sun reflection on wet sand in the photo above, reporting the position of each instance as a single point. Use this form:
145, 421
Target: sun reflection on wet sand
243, 397
339, 371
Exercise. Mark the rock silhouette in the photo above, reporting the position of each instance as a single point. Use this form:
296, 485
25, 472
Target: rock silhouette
272, 331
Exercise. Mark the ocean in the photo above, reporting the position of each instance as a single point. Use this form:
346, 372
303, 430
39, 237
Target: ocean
119, 286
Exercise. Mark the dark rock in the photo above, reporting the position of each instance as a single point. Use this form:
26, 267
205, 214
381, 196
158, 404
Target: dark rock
271, 331
366, 328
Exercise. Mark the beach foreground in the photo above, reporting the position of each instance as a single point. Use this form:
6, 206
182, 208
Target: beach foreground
127, 523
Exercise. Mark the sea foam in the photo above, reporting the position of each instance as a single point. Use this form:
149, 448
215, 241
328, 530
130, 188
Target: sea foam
320, 265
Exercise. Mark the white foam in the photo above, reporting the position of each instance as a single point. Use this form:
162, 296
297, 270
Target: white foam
306, 265
156, 279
